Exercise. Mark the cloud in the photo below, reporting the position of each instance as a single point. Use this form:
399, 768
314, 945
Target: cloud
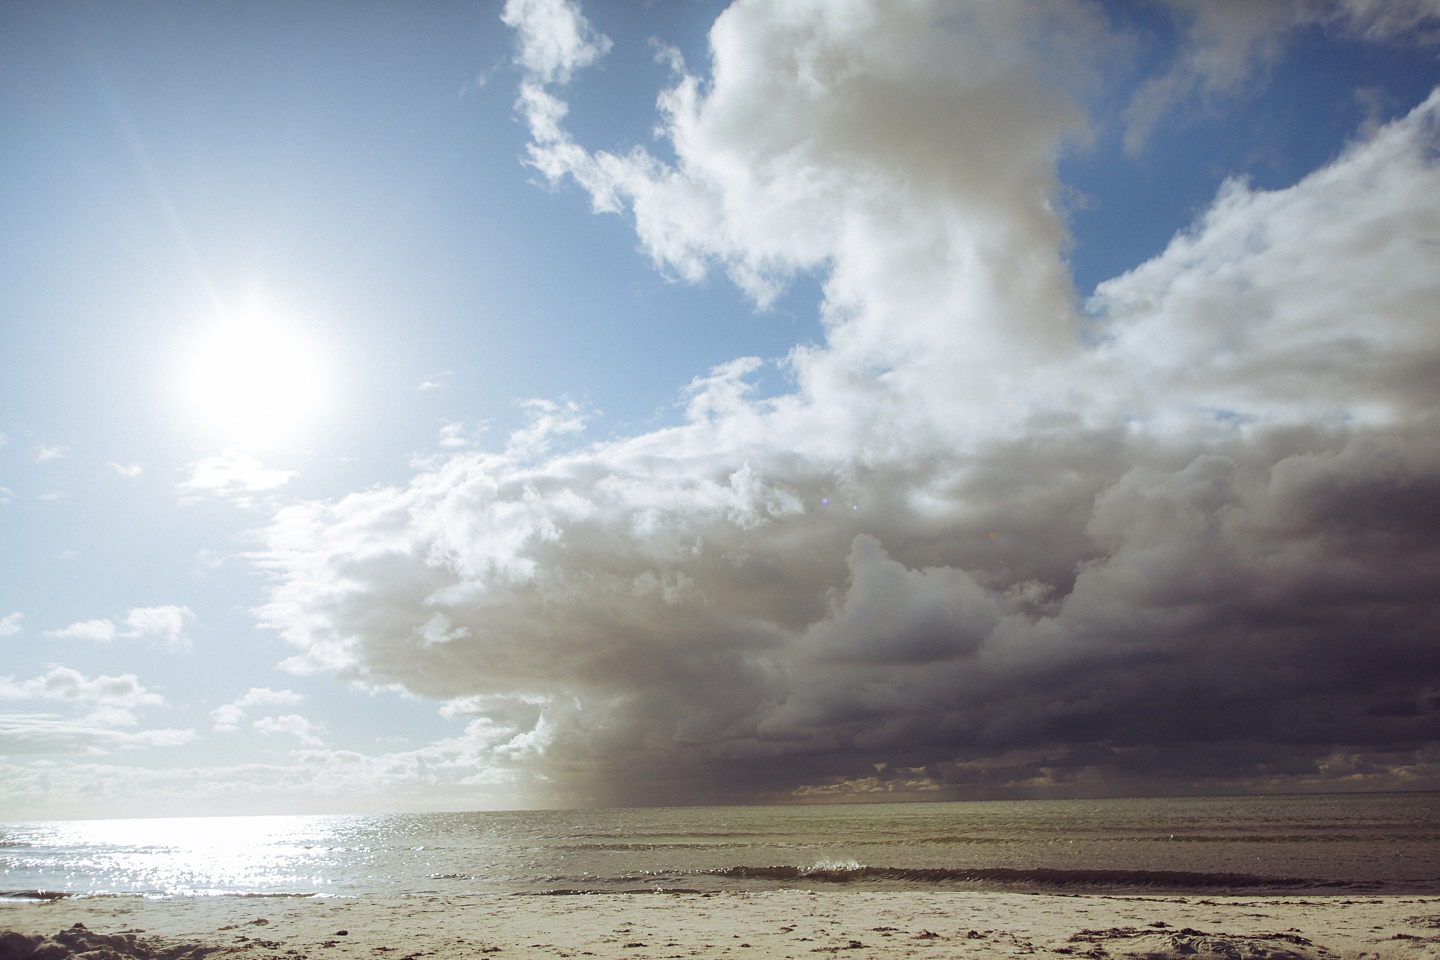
264, 695
1223, 46
786, 157
453, 435
108, 702
438, 382
234, 475
456, 435
1408, 21
10, 624
65, 684
100, 631
291, 724
451, 774
47, 452
127, 470
1226, 45
228, 716
165, 624
555, 38
1184, 539
1248, 317
48, 734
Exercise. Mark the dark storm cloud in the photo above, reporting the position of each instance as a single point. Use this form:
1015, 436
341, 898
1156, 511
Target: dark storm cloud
971, 553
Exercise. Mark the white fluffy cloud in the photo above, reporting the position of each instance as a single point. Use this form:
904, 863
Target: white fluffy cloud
10, 624
99, 631
973, 547
165, 624
1305, 305
228, 716
907, 149
238, 476
65, 684
107, 703
290, 724
555, 38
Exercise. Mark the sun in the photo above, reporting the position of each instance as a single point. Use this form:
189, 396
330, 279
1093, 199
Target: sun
252, 380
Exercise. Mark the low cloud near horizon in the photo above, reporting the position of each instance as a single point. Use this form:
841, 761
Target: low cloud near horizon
1181, 537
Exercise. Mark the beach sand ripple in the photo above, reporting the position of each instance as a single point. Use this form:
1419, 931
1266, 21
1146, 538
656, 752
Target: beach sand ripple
789, 924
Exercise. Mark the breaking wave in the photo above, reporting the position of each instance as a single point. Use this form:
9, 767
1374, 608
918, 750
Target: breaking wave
34, 895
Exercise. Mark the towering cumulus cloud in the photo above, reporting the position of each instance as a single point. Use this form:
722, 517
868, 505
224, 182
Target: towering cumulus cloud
995, 539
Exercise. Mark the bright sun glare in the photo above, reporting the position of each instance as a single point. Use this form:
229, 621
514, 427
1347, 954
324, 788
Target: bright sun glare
252, 380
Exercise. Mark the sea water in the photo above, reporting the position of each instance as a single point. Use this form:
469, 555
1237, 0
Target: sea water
1338, 843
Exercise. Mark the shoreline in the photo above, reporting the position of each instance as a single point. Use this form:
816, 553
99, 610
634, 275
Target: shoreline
790, 923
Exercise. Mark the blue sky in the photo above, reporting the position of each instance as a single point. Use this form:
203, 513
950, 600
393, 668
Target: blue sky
379, 433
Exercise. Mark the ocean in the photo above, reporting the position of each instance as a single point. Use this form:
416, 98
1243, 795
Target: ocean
1341, 844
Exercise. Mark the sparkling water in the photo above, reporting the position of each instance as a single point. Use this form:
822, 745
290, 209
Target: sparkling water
1339, 843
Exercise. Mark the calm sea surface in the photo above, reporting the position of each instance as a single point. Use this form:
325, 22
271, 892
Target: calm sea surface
1321, 844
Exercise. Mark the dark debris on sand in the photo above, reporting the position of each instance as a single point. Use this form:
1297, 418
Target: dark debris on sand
79, 943
1186, 943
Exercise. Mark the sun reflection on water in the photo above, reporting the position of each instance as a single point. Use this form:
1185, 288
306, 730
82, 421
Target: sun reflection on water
189, 856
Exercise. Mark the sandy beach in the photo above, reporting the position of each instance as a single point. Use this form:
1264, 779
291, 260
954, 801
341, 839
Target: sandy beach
779, 924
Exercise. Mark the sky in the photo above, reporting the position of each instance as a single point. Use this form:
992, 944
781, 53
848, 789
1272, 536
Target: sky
448, 406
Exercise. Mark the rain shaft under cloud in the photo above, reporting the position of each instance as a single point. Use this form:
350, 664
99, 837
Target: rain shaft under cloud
1182, 537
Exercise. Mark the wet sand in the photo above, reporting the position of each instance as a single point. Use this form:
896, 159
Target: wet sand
779, 924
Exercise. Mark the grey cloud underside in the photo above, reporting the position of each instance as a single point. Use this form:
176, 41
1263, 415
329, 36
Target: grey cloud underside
1197, 548
1260, 603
